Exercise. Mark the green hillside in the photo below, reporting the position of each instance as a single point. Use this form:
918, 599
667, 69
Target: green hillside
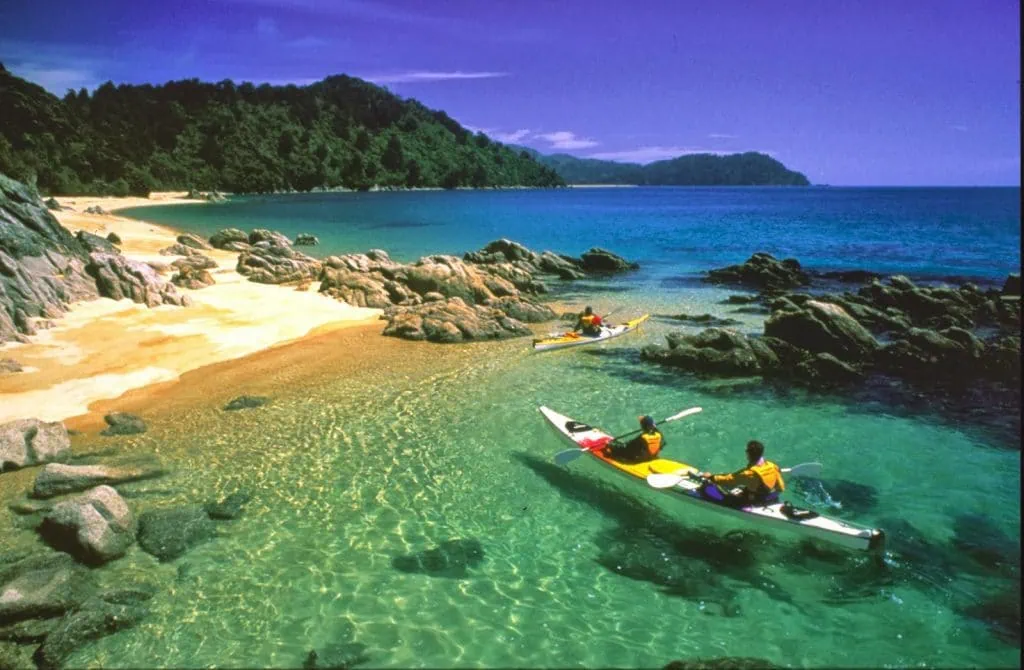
244, 138
745, 169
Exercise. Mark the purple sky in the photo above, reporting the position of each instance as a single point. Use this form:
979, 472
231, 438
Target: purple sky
850, 92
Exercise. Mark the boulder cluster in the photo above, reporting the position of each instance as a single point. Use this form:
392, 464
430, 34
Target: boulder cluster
51, 600
893, 327
44, 268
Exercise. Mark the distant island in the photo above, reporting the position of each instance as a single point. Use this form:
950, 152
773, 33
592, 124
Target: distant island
744, 169
340, 132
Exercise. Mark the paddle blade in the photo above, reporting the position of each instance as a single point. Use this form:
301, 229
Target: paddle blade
684, 413
666, 480
568, 456
804, 470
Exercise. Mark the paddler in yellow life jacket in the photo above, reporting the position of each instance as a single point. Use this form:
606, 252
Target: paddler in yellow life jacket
589, 322
761, 480
644, 447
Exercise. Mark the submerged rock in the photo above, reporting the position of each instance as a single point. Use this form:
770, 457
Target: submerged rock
30, 442
229, 508
246, 402
42, 586
702, 319
57, 479
169, 533
96, 618
451, 559
122, 423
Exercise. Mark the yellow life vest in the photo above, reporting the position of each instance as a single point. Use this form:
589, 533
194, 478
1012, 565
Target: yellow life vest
653, 441
588, 320
771, 476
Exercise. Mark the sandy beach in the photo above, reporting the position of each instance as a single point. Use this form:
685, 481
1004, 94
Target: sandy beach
104, 348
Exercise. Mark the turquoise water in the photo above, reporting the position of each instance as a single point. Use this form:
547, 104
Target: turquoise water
414, 516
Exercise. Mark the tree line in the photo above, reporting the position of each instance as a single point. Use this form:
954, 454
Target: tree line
244, 138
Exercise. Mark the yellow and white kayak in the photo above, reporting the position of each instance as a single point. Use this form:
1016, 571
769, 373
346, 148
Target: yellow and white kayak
577, 339
590, 440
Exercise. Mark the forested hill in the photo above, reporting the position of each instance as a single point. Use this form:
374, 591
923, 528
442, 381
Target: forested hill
243, 138
745, 169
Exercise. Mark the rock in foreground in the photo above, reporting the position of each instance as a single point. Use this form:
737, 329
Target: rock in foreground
30, 442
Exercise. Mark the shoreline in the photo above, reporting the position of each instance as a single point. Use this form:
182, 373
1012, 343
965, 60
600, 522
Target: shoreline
102, 349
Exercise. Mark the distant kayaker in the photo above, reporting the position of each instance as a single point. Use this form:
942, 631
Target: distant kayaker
644, 447
589, 322
761, 480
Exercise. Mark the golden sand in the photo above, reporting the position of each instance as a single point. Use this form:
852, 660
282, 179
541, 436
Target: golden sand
101, 349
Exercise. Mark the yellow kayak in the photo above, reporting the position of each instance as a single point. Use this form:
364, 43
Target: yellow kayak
577, 339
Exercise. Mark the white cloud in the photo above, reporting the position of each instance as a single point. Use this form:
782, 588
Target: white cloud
652, 153
56, 80
515, 137
722, 136
564, 139
426, 76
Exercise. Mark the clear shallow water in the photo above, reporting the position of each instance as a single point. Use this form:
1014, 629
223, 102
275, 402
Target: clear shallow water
357, 483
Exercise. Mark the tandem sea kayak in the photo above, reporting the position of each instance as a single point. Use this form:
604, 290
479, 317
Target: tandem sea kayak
576, 339
773, 516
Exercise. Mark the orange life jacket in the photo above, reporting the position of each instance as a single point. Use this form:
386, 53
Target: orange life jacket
771, 476
590, 320
653, 441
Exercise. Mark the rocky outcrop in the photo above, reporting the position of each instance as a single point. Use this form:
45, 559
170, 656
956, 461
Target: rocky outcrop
190, 277
42, 586
95, 527
122, 423
270, 262
506, 251
195, 261
602, 260
58, 479
306, 240
96, 243
263, 235
453, 320
762, 271
42, 266
193, 241
169, 533
822, 327
30, 442
715, 351
118, 278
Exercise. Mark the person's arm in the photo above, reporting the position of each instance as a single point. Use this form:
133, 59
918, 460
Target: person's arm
745, 478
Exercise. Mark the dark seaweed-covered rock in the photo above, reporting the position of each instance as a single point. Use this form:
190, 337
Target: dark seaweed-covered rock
229, 508
246, 402
27, 631
96, 618
762, 271
1001, 613
722, 663
122, 423
1012, 284
306, 240
451, 559
52, 204
96, 243
602, 260
30, 442
701, 319
42, 586
169, 533
849, 276
826, 369
113, 238
717, 351
95, 527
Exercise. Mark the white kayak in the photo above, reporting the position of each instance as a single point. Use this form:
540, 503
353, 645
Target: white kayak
570, 339
775, 516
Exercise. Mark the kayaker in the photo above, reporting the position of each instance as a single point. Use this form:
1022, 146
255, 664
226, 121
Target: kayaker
589, 322
644, 447
761, 480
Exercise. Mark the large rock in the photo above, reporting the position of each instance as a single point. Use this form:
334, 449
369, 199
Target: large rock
277, 264
179, 249
42, 265
169, 533
9, 365
1012, 284
823, 328
193, 241
273, 237
602, 260
27, 442
452, 321
715, 351
118, 278
96, 243
42, 586
221, 239
57, 479
826, 369
762, 271
95, 527
307, 240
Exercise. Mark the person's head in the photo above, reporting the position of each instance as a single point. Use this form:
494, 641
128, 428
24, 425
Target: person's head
589, 310
755, 450
647, 423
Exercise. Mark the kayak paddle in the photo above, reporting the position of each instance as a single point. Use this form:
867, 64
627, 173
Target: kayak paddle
666, 480
563, 457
